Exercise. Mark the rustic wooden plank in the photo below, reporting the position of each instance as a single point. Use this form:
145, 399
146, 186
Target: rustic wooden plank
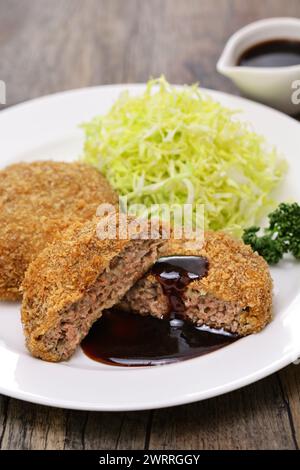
75, 428
67, 44
105, 430
123, 431
252, 418
62, 44
3, 415
290, 382
29, 426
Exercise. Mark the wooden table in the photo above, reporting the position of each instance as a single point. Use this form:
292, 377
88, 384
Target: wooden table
49, 46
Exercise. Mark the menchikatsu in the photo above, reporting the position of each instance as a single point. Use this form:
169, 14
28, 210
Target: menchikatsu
70, 283
223, 285
37, 202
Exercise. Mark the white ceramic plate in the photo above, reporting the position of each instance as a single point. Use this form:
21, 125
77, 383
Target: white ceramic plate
47, 128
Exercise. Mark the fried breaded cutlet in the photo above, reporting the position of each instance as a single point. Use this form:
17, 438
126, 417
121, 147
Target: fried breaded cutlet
73, 280
236, 294
37, 202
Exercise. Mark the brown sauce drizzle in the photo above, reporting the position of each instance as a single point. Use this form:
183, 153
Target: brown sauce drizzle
127, 339
175, 273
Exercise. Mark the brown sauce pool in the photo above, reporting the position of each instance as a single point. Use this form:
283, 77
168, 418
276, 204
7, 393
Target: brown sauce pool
126, 339
273, 53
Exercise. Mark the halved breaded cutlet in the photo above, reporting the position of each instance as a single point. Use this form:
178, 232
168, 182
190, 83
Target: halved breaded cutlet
37, 202
235, 295
73, 280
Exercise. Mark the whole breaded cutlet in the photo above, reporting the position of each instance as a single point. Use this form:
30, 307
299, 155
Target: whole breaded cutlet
73, 280
236, 294
37, 202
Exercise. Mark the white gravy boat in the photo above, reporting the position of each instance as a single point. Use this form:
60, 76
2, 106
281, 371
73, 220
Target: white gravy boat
274, 86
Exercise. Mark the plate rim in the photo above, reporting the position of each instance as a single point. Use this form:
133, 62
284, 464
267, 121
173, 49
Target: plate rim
172, 402
39, 99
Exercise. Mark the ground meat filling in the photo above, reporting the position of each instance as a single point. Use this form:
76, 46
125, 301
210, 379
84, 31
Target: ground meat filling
76, 321
148, 298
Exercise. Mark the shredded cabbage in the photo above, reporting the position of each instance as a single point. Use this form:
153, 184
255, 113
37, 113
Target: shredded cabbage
177, 145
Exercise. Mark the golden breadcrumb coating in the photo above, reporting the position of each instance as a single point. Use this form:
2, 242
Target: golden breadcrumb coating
236, 274
37, 202
72, 281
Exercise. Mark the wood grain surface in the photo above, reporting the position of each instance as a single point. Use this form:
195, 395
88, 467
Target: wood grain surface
48, 46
